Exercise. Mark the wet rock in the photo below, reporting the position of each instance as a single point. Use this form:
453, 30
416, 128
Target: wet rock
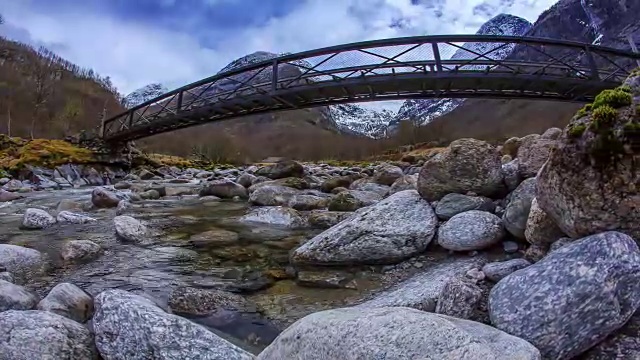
304, 202
453, 204
336, 182
540, 228
160, 189
587, 290
35, 219
130, 229
533, 153
246, 179
193, 301
181, 191
517, 212
216, 237
496, 271
367, 185
282, 169
149, 195
68, 300
15, 297
292, 182
37, 334
80, 250
459, 298
130, 326
6, 196
387, 174
146, 174
20, 260
466, 165
423, 290
275, 215
352, 200
122, 185
103, 198
326, 279
326, 219
471, 230
393, 333
395, 228
69, 205
67, 217
272, 195
123, 206
225, 189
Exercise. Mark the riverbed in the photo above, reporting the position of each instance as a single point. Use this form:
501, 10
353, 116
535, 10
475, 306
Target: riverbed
255, 265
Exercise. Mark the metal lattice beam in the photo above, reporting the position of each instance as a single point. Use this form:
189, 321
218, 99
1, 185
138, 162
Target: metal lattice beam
389, 69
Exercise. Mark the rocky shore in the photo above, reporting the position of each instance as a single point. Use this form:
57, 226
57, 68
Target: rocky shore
522, 251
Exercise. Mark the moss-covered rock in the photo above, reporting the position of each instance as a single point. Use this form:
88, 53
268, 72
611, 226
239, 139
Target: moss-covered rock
16, 153
591, 182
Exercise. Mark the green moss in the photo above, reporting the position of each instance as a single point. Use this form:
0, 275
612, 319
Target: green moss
636, 72
576, 130
631, 127
624, 88
614, 98
603, 118
583, 111
42, 152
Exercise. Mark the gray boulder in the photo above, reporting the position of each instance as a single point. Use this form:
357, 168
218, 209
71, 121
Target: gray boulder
394, 333
129, 326
272, 195
517, 211
387, 174
466, 165
398, 227
282, 169
20, 260
540, 228
511, 174
454, 204
407, 182
33, 334
422, 290
130, 229
68, 300
459, 298
368, 185
275, 215
225, 189
15, 297
573, 298
496, 271
352, 200
533, 153
103, 198
67, 217
78, 250
246, 179
37, 219
471, 230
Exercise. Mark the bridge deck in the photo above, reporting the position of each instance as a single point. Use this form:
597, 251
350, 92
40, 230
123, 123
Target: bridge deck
311, 79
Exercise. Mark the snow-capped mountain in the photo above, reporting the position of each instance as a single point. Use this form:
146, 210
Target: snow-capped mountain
143, 94
422, 111
351, 118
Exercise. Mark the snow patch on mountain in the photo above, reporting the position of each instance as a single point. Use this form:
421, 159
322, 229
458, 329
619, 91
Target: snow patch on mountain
422, 111
144, 94
355, 119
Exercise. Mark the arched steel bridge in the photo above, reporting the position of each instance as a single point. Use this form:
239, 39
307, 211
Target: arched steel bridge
451, 66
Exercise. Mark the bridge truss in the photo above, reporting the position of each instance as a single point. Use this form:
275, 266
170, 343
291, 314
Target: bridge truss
452, 66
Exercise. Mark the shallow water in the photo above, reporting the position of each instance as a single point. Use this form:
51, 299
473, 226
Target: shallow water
171, 261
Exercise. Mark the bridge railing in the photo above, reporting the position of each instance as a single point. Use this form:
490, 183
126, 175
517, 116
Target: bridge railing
381, 59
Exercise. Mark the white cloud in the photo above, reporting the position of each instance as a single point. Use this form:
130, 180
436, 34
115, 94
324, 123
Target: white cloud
135, 55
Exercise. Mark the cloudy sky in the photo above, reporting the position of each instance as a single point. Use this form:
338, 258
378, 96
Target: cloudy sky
137, 42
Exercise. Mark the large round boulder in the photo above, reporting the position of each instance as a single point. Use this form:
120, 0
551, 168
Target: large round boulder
591, 182
282, 169
103, 198
466, 165
393, 333
573, 298
225, 189
398, 227
387, 174
471, 230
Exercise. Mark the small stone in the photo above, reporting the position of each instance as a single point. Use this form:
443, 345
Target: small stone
459, 299
193, 301
275, 215
471, 230
130, 229
103, 198
510, 247
541, 228
536, 252
67, 217
80, 250
326, 279
475, 275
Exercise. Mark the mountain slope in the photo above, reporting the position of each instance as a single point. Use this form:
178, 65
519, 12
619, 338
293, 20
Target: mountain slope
422, 111
607, 22
144, 94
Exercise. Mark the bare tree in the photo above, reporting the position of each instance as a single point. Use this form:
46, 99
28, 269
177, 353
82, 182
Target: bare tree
43, 77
